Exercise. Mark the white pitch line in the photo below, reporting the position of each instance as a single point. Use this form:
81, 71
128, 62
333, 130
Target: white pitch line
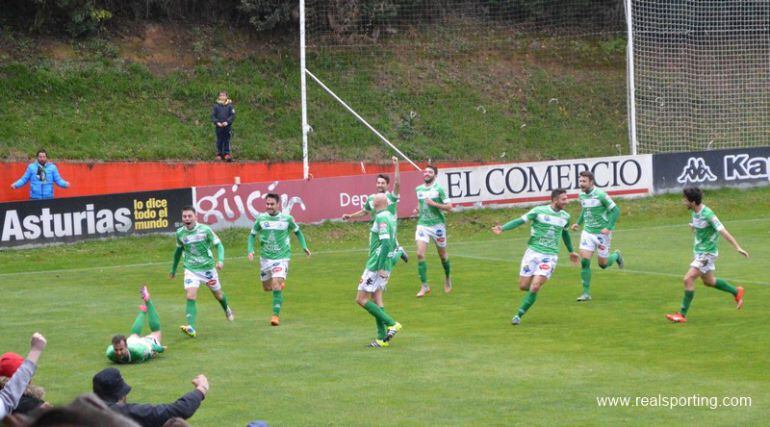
338, 251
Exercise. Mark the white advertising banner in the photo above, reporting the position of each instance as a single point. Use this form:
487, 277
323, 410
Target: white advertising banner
533, 182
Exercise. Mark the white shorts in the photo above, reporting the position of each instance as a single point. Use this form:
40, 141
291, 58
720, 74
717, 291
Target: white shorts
704, 262
270, 268
193, 279
536, 264
372, 282
599, 243
425, 233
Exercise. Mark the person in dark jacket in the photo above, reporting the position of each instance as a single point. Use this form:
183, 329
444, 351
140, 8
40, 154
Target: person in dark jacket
108, 384
41, 176
223, 115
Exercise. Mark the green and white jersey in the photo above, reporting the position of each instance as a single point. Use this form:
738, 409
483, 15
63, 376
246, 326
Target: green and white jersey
546, 228
596, 207
430, 215
139, 350
392, 204
382, 237
273, 232
707, 227
197, 245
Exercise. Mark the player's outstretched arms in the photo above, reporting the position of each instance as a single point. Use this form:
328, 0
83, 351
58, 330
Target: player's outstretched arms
729, 237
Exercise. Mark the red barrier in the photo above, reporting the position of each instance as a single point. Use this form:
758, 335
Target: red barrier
124, 177
308, 201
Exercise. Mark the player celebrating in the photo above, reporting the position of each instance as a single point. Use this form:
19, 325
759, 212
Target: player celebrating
539, 261
195, 241
707, 229
431, 225
382, 250
383, 181
136, 348
598, 215
273, 227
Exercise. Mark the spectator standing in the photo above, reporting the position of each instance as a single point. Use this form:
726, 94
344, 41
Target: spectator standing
110, 387
33, 396
11, 393
223, 115
41, 176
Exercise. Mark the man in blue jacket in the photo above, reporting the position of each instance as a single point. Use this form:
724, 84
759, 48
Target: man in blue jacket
41, 176
223, 115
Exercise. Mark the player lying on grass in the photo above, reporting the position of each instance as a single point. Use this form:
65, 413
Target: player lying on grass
195, 241
273, 227
597, 215
382, 253
549, 223
137, 348
707, 228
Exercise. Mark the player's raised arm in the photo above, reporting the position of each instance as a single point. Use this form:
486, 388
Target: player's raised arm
396, 177
729, 237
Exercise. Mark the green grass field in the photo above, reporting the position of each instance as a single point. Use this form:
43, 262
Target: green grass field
458, 360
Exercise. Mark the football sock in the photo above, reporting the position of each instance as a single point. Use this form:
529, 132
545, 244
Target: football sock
223, 302
422, 269
277, 302
379, 314
611, 260
136, 328
529, 299
191, 312
381, 327
154, 319
447, 267
722, 285
585, 274
688, 296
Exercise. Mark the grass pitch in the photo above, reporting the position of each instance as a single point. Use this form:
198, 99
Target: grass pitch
458, 359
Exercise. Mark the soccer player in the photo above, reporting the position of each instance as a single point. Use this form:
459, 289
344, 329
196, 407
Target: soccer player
598, 215
382, 250
431, 225
539, 261
135, 348
273, 228
707, 228
195, 241
383, 182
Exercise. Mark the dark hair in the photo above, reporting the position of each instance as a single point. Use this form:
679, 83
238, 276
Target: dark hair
587, 174
435, 169
693, 194
117, 339
385, 177
41, 151
273, 196
176, 422
188, 208
556, 193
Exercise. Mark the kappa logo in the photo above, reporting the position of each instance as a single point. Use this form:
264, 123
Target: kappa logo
696, 170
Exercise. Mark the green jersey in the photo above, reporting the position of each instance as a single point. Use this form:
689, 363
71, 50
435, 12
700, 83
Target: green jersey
197, 244
430, 215
273, 232
139, 350
596, 207
707, 227
392, 204
382, 242
546, 229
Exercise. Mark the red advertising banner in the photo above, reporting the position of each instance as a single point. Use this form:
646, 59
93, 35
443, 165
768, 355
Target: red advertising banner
310, 201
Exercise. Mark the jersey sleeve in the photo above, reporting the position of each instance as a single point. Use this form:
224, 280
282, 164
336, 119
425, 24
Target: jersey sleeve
213, 238
178, 241
368, 204
715, 222
442, 195
256, 227
529, 216
607, 202
293, 226
392, 197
